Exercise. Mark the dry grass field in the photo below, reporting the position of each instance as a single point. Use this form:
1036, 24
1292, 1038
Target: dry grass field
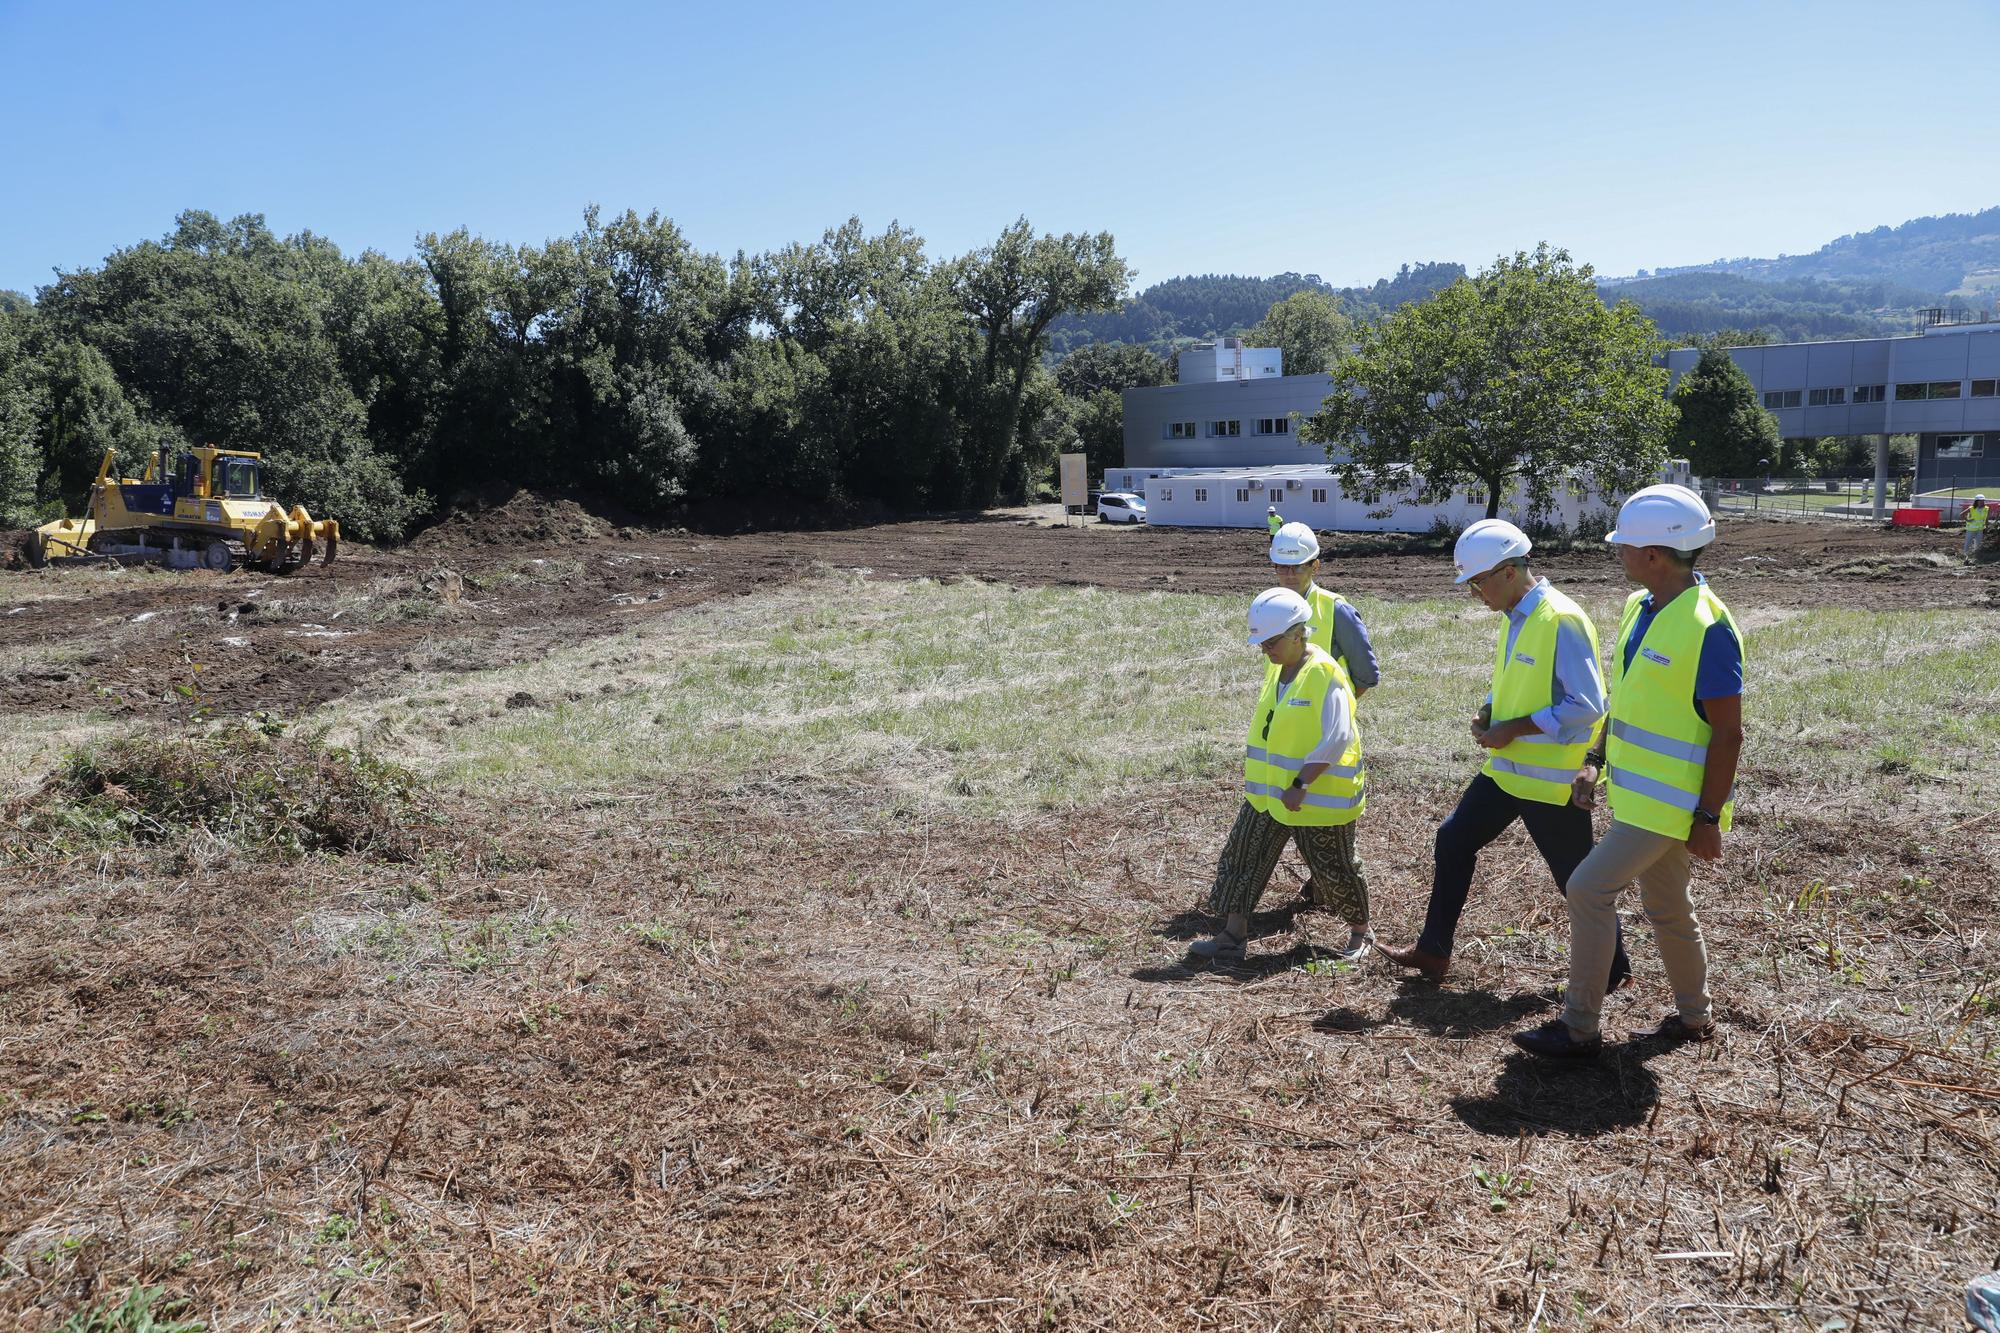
642, 932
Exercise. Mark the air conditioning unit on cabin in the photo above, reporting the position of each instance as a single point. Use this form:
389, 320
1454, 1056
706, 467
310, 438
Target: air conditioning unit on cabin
1256, 485
1294, 484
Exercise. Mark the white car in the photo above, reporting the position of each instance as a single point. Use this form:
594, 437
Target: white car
1121, 507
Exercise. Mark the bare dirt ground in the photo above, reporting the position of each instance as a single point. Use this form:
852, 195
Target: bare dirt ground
746, 1059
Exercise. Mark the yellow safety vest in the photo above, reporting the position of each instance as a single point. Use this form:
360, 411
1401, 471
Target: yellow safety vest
1324, 606
1284, 731
1273, 522
1535, 767
1657, 745
1975, 519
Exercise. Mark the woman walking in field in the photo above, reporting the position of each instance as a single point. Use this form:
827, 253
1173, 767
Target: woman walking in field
1303, 781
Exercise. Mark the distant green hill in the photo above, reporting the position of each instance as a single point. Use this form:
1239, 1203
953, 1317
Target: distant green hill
1211, 305
1687, 305
1867, 285
1958, 253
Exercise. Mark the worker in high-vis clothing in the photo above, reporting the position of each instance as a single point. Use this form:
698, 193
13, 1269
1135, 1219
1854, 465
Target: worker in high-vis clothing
1975, 526
1303, 782
1272, 520
1669, 757
1538, 722
1336, 627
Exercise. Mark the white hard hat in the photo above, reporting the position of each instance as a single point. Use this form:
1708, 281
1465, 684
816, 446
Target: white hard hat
1294, 544
1275, 611
1664, 515
1979, 499
1270, 509
1485, 544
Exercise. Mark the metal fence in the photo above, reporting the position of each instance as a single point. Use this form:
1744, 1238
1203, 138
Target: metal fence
1840, 497
1798, 497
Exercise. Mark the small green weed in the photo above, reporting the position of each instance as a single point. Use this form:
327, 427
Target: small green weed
143, 1310
1503, 1187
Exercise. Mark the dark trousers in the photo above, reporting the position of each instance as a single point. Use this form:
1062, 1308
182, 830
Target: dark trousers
1561, 833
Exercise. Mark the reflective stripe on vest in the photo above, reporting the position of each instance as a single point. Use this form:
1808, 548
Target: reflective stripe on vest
1284, 731
1294, 765
1312, 798
1536, 767
1325, 606
1657, 745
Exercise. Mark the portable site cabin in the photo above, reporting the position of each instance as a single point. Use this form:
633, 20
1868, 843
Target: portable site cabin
1240, 498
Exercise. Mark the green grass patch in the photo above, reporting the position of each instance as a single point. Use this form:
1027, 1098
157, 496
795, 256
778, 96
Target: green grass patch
982, 698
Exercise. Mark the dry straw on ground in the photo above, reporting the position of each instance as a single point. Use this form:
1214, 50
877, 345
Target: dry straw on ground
794, 1049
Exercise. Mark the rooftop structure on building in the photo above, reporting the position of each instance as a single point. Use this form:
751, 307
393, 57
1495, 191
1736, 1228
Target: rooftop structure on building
1226, 360
1232, 407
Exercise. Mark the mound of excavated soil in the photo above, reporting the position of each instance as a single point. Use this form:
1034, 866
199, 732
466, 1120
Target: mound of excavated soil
503, 516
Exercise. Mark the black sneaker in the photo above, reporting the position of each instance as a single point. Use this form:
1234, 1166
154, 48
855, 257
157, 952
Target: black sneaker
1553, 1041
1621, 977
1674, 1030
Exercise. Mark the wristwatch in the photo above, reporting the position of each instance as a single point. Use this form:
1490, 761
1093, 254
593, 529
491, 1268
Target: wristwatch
1708, 817
1298, 781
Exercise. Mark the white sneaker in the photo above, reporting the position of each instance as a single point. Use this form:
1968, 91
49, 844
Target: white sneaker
1223, 947
1358, 944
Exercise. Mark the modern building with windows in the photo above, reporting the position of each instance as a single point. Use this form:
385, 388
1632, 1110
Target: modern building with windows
1941, 385
1231, 407
1221, 446
1234, 412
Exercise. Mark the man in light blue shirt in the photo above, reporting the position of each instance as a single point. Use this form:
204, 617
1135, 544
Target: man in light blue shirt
1579, 683
1492, 558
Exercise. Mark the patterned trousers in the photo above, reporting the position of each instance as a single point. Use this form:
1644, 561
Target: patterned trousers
1256, 841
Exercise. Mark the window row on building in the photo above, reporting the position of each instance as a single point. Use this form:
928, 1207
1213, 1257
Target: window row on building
1921, 391
1318, 494
1961, 446
1223, 430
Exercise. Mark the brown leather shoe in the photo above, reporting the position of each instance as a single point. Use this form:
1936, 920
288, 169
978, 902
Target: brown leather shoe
1432, 966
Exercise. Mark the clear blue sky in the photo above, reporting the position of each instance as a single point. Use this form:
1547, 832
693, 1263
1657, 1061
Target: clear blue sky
1337, 139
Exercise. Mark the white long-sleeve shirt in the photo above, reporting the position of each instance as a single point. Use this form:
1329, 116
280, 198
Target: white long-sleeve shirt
1336, 723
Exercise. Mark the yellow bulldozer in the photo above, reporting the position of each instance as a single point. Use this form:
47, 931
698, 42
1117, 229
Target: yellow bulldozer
202, 509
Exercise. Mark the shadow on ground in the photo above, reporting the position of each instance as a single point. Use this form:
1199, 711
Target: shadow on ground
1463, 1013
1535, 1097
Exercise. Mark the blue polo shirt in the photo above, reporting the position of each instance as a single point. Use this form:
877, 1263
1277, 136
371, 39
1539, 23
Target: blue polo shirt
1719, 675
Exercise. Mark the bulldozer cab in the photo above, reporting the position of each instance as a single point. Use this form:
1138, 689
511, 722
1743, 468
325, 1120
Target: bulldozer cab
233, 477
210, 473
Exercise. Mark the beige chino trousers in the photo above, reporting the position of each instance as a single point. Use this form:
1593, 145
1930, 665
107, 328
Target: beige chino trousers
1661, 866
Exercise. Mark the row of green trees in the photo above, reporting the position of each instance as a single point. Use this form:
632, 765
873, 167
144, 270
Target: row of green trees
620, 359
623, 361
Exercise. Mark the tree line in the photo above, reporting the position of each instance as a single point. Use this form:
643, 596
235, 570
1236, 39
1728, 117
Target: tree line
854, 369
620, 359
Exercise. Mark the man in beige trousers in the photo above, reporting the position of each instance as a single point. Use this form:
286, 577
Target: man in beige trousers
1669, 754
